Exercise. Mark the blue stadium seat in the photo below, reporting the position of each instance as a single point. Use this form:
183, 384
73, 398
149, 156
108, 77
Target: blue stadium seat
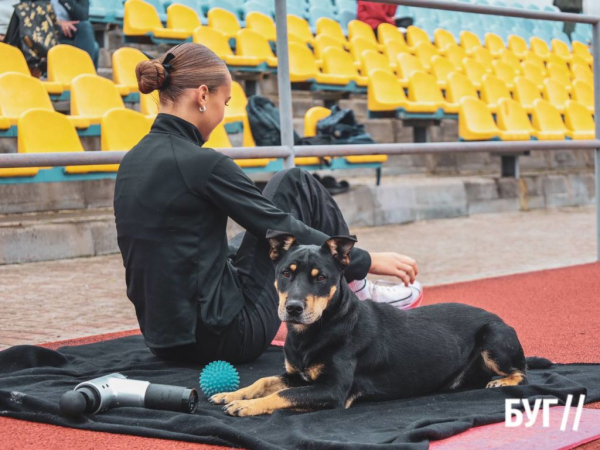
297, 8
323, 4
107, 11
227, 5
160, 8
196, 5
349, 5
315, 13
345, 17
264, 7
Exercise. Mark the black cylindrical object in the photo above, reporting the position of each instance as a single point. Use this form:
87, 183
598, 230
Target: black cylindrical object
171, 398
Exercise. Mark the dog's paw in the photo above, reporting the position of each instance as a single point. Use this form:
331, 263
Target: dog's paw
244, 408
225, 398
499, 383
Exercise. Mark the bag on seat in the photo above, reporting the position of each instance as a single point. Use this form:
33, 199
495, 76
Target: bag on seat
342, 126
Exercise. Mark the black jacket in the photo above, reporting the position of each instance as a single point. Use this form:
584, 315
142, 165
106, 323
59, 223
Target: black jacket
172, 201
77, 9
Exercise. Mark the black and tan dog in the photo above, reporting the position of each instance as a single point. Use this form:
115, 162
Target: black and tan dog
340, 349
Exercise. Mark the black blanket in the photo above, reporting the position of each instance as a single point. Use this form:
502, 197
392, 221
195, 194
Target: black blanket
32, 379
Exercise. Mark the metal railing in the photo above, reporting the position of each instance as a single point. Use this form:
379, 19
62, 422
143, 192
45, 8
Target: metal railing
288, 151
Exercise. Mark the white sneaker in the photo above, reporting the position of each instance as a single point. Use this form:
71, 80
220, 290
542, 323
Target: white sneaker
398, 295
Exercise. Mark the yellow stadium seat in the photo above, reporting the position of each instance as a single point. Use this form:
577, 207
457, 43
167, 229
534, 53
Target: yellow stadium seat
124, 61
13, 60
556, 93
475, 121
150, 105
423, 90
385, 94
441, 68
219, 44
561, 50
459, 87
494, 44
508, 57
579, 60
122, 129
236, 109
358, 28
505, 72
474, 71
533, 73
511, 117
141, 19
526, 92
387, 32
219, 139
469, 42
584, 94
373, 60
534, 59
92, 96
424, 51
250, 43
20, 93
339, 63
560, 74
323, 41
456, 55
303, 67
518, 46
358, 45
331, 28
583, 73
262, 24
407, 64
392, 49
483, 56
493, 89
181, 17
547, 122
415, 35
300, 28
443, 39
224, 21
557, 60
540, 48
579, 121
582, 50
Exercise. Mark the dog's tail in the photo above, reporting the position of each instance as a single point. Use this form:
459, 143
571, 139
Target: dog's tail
535, 362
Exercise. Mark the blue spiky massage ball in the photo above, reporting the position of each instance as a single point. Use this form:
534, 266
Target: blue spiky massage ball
217, 377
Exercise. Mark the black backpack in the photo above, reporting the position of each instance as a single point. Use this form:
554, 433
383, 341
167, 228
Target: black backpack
264, 122
33, 29
342, 127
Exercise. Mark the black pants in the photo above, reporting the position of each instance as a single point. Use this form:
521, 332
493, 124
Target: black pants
248, 336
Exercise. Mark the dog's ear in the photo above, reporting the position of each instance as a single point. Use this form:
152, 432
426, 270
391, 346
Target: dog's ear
340, 247
280, 243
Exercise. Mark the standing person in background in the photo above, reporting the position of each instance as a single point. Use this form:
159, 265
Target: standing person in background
75, 28
6, 12
374, 14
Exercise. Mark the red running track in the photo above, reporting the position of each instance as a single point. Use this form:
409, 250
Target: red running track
556, 314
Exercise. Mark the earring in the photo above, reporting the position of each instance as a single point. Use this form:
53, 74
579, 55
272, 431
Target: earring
202, 109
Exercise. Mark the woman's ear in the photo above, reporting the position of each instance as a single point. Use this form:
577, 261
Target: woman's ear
202, 94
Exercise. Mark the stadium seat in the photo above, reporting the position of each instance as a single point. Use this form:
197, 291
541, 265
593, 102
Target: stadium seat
533, 73
505, 72
556, 93
267, 8
547, 122
583, 73
406, 64
106, 11
312, 118
299, 27
512, 118
560, 74
20, 93
540, 48
518, 46
526, 92
538, 62
317, 12
469, 42
372, 60
385, 94
66, 62
423, 90
232, 6
584, 94
474, 71
443, 39
345, 17
124, 62
149, 105
92, 96
494, 44
557, 60
181, 17
561, 50
262, 24
236, 109
582, 50
456, 55
579, 121
339, 63
415, 35
358, 45
392, 49
459, 87
425, 51
483, 56
331, 28
251, 44
13, 60
220, 139
142, 19
493, 89
122, 129
579, 60
508, 57
358, 28
323, 41
387, 32
219, 43
224, 21
303, 67
441, 68
296, 8
475, 121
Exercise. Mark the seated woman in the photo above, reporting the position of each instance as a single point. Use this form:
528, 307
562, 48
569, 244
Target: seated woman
194, 299
374, 14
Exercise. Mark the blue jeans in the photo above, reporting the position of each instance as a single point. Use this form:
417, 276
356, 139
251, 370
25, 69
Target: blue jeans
84, 39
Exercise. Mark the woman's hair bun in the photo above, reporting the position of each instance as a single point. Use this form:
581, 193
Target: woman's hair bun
150, 76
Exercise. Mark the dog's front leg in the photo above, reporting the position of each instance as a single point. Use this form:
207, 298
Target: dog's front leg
261, 388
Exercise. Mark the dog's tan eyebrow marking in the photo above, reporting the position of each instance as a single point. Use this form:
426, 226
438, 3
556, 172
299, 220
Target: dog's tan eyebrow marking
314, 272
293, 267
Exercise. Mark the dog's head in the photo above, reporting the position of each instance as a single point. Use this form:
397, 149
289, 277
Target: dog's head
307, 277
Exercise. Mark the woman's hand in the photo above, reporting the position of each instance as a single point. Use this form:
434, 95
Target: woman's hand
68, 27
395, 265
